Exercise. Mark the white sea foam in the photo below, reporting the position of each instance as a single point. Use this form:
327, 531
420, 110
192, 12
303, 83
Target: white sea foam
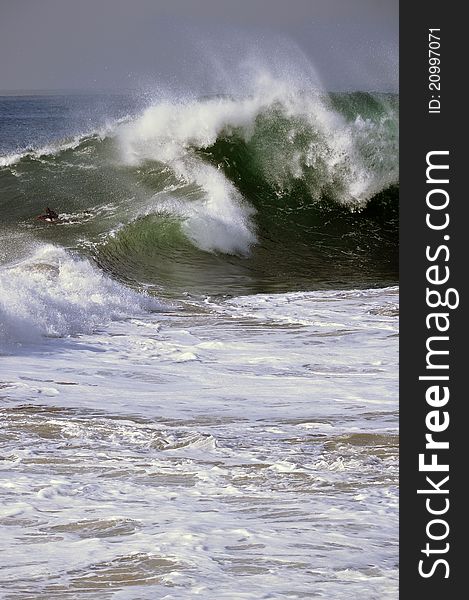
322, 309
267, 464
53, 293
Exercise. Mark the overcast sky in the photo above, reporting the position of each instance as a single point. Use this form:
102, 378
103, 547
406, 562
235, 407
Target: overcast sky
203, 44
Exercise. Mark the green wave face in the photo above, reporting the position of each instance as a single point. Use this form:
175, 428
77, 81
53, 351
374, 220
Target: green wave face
223, 195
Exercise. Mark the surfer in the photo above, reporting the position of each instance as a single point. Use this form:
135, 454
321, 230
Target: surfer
50, 216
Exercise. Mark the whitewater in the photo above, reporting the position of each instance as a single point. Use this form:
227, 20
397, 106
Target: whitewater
198, 360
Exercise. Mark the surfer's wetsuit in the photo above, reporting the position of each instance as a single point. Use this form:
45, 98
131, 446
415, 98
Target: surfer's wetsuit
50, 215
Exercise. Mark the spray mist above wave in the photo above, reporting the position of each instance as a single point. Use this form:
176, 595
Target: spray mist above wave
235, 172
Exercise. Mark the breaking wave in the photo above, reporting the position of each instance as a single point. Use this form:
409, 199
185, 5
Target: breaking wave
210, 190
55, 294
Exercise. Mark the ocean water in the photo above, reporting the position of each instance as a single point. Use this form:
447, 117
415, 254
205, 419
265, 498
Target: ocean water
198, 359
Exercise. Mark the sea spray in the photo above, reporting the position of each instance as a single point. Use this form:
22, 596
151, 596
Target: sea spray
290, 136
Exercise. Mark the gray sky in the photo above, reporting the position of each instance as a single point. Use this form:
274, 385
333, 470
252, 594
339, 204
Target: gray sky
203, 45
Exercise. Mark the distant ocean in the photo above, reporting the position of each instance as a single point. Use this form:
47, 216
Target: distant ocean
198, 359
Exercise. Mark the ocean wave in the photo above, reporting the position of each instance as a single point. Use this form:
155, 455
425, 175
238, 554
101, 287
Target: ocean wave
288, 138
285, 177
60, 146
54, 294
